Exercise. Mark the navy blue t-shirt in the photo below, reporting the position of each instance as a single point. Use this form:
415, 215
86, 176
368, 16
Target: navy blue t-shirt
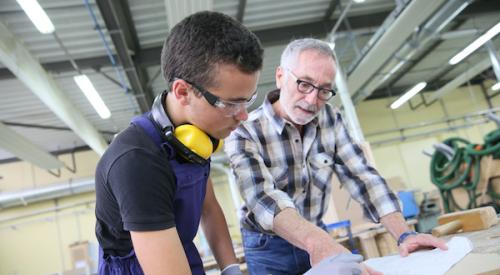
135, 190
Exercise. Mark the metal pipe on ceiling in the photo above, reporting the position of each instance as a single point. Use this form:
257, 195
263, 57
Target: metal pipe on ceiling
25, 149
12, 199
412, 16
466, 117
120, 33
378, 34
461, 79
15, 56
427, 133
423, 36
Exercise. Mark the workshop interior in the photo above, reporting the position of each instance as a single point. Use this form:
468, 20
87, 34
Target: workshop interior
417, 84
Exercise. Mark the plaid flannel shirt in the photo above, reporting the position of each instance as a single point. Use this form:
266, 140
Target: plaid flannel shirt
276, 168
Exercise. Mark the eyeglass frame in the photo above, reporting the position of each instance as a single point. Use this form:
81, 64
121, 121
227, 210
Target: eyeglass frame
332, 92
220, 103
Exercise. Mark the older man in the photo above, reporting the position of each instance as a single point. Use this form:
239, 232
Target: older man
284, 157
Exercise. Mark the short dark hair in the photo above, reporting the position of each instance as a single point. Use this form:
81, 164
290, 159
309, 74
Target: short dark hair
202, 40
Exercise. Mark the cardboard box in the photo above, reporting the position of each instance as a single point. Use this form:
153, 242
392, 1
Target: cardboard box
84, 255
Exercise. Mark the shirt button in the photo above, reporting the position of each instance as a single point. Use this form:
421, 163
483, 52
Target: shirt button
325, 161
297, 140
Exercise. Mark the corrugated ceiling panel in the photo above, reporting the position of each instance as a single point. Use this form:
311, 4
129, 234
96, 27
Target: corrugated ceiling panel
260, 14
177, 10
50, 140
371, 6
438, 59
346, 50
470, 61
158, 84
272, 56
121, 105
20, 105
73, 25
229, 7
150, 21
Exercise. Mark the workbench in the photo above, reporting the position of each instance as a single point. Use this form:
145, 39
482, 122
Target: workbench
485, 256
483, 260
374, 241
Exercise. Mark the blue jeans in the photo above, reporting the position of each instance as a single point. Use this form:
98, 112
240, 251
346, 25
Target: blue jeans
267, 254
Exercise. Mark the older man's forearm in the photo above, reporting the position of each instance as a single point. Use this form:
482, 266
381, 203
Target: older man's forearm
289, 225
395, 224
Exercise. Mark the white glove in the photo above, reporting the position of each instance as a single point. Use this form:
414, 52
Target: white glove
341, 264
232, 269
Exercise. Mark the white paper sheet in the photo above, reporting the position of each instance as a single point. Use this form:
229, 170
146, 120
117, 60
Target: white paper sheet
431, 262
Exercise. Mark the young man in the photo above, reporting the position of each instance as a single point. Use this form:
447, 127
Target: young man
152, 183
284, 157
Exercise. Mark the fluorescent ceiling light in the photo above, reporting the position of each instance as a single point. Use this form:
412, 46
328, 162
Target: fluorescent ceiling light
413, 91
476, 44
359, 1
37, 15
496, 86
92, 95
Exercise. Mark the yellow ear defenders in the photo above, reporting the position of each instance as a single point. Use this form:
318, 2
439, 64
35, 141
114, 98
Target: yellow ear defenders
192, 143
197, 141
188, 140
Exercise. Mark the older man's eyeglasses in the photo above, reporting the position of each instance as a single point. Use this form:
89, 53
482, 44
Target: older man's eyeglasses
228, 108
306, 87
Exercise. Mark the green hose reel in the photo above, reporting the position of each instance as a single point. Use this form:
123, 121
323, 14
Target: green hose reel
462, 170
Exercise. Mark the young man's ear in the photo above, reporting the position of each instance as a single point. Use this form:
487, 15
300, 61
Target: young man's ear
280, 76
180, 90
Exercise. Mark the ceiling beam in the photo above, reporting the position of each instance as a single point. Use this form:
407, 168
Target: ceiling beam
269, 37
331, 8
394, 91
318, 29
470, 73
241, 10
480, 7
48, 127
434, 85
390, 41
53, 153
15, 56
117, 17
25, 149
423, 54
150, 57
475, 8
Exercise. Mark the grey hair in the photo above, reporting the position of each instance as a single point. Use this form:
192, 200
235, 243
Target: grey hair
294, 48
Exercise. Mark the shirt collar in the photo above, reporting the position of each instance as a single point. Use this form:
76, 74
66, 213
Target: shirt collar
278, 122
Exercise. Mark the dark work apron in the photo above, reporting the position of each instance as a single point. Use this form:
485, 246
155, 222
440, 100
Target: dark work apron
191, 180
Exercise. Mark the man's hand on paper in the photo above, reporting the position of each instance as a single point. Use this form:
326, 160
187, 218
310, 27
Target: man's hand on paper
323, 249
370, 271
413, 243
342, 264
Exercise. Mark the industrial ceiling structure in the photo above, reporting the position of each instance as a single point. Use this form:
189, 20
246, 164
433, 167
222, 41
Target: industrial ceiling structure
385, 47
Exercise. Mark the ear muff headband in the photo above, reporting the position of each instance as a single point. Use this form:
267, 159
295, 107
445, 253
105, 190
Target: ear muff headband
188, 140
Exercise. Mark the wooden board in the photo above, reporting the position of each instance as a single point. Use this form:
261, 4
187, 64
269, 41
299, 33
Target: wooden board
485, 256
474, 219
